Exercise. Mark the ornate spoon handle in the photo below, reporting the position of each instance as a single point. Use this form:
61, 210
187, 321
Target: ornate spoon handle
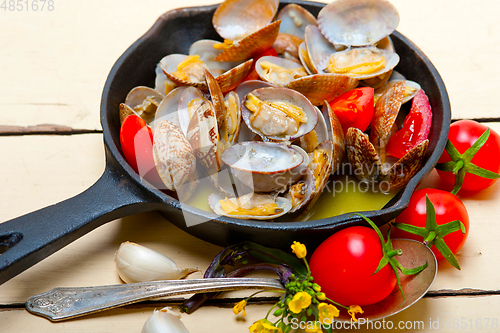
65, 303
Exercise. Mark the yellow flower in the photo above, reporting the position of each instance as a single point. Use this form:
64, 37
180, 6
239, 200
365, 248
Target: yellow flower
300, 300
353, 309
327, 312
239, 307
299, 249
321, 296
263, 326
314, 327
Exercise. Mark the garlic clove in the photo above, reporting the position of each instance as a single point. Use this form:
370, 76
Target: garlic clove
136, 263
164, 321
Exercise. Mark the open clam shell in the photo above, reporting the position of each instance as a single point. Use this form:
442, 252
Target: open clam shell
305, 60
320, 133
267, 131
320, 87
141, 101
318, 48
345, 21
230, 129
295, 19
248, 86
217, 97
313, 183
287, 46
169, 108
204, 48
252, 44
282, 203
266, 166
391, 60
321, 169
337, 138
162, 83
174, 159
227, 80
235, 19
300, 193
279, 71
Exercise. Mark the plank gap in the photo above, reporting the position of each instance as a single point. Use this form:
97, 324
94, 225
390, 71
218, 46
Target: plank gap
43, 129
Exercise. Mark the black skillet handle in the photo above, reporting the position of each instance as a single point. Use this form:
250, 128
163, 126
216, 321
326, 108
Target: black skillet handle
34, 236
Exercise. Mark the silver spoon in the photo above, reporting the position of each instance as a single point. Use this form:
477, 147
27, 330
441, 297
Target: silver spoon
66, 303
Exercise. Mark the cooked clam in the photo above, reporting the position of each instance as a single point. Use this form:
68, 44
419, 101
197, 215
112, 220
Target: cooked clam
266, 166
246, 28
319, 134
278, 114
362, 63
190, 70
250, 206
204, 48
287, 46
141, 101
279, 71
317, 50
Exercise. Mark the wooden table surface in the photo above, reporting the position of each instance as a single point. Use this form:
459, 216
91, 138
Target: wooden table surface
53, 65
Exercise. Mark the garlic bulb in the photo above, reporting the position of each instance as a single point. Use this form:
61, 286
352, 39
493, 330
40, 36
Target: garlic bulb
164, 322
136, 263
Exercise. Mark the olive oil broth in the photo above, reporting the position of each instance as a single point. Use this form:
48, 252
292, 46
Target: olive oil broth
342, 194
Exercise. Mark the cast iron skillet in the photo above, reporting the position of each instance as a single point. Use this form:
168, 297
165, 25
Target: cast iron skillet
119, 192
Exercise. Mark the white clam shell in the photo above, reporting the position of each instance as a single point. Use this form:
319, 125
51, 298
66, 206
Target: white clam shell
295, 19
281, 80
319, 49
286, 95
357, 22
213, 201
135, 98
205, 49
266, 166
235, 19
174, 159
392, 59
305, 60
169, 108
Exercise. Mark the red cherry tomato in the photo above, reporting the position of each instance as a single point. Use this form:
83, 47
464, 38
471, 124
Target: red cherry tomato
462, 135
253, 75
448, 208
343, 265
354, 108
416, 127
136, 139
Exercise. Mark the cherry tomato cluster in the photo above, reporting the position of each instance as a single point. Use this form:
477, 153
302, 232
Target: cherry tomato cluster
347, 264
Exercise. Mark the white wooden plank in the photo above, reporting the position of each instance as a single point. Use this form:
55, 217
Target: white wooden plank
427, 315
54, 64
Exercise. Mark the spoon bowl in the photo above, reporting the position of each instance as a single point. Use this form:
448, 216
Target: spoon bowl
414, 286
